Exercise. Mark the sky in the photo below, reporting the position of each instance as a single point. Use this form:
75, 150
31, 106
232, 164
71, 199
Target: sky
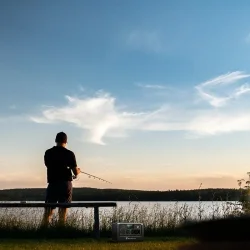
153, 95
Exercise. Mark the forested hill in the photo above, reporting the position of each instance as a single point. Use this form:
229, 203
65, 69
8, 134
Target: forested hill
93, 194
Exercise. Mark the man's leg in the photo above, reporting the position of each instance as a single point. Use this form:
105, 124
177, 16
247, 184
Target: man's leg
48, 212
62, 215
50, 198
66, 197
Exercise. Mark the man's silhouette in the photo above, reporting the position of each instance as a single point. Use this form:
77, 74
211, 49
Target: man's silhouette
60, 163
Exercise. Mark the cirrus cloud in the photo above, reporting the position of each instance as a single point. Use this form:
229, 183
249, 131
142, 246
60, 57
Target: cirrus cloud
204, 89
146, 41
99, 115
102, 117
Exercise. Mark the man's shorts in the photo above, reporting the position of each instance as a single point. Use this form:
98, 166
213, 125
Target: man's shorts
60, 192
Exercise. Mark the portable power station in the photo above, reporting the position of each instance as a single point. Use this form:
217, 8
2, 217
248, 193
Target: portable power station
127, 232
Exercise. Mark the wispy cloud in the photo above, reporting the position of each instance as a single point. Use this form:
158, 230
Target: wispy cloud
102, 117
98, 115
14, 118
12, 106
81, 88
243, 89
213, 122
149, 41
247, 39
204, 89
151, 86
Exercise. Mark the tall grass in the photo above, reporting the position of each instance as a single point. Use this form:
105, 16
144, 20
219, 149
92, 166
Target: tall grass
158, 220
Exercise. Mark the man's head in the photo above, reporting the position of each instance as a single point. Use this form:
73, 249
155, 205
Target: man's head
61, 139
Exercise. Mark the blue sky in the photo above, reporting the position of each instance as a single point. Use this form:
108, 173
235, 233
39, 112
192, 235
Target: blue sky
152, 94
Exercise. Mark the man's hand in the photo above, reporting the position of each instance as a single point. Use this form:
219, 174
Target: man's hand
76, 171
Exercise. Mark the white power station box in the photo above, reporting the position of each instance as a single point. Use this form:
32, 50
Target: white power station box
127, 232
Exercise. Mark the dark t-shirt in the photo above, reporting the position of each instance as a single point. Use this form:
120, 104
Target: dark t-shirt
57, 160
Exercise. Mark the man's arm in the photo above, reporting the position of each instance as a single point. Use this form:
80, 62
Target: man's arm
73, 165
46, 159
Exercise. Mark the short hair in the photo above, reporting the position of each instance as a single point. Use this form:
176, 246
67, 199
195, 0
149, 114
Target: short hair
61, 138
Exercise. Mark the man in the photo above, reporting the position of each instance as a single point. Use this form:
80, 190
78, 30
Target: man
59, 162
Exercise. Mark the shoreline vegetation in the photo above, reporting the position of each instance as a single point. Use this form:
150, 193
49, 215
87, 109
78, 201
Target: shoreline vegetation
159, 221
94, 194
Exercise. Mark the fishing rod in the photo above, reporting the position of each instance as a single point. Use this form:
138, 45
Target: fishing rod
90, 175
95, 177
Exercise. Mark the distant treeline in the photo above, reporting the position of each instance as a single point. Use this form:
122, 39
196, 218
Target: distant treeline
94, 194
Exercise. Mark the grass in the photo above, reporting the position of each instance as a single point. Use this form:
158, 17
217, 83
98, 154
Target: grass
88, 244
149, 244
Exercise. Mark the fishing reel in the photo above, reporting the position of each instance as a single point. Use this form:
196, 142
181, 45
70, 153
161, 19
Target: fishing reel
76, 178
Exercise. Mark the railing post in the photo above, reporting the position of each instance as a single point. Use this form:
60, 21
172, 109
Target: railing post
96, 223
